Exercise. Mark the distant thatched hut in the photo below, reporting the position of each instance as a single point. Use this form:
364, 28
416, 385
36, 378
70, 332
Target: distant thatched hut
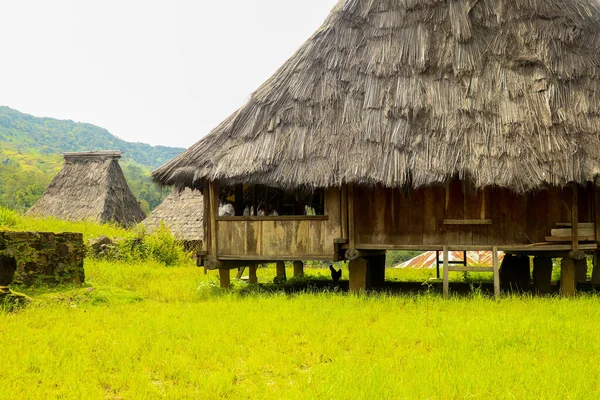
421, 125
182, 213
91, 186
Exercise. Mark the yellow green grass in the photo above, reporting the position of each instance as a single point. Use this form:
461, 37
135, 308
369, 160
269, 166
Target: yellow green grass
148, 331
141, 330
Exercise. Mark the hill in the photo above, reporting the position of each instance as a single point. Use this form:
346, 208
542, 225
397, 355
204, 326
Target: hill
30, 156
48, 136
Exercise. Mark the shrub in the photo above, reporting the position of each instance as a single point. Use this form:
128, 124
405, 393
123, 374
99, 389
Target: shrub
159, 246
8, 218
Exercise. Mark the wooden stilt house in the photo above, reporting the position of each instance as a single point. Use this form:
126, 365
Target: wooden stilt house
426, 125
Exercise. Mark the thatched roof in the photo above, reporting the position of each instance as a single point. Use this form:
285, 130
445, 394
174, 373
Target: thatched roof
392, 92
181, 212
91, 186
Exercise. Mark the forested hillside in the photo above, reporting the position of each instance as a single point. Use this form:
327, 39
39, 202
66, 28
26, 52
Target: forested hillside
48, 136
30, 156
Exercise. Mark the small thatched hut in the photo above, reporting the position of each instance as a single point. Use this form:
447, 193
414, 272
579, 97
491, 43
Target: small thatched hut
182, 213
421, 125
91, 186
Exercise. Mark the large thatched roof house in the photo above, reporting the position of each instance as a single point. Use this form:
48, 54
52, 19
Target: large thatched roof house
416, 125
91, 186
182, 213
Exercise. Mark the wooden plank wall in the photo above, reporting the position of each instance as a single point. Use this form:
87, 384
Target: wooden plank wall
303, 238
416, 217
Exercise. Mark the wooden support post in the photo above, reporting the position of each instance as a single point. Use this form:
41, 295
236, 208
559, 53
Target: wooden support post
298, 269
596, 270
581, 270
574, 219
567, 277
496, 272
225, 278
206, 217
358, 275
542, 274
252, 273
446, 283
280, 270
515, 272
344, 205
351, 237
214, 211
376, 271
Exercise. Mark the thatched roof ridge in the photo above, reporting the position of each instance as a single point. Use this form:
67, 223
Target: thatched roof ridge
97, 155
397, 92
182, 213
90, 186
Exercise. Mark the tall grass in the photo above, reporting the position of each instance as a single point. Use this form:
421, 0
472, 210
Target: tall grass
141, 330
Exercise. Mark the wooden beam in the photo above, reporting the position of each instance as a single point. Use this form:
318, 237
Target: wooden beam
597, 211
596, 270
252, 273
344, 205
214, 212
467, 222
537, 247
446, 283
276, 218
298, 269
496, 270
567, 277
224, 278
206, 216
351, 230
542, 274
470, 269
271, 259
575, 219
358, 275
572, 238
280, 270
353, 254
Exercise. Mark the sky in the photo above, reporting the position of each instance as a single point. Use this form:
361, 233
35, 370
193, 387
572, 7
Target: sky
160, 72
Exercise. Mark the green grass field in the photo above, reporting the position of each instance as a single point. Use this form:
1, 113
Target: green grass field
149, 331
142, 330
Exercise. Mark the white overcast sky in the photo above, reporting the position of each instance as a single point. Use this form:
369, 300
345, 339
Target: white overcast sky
160, 72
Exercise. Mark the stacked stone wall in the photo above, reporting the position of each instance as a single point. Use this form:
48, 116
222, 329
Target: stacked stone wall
28, 258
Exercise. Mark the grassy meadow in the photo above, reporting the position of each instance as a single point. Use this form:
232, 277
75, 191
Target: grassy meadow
144, 330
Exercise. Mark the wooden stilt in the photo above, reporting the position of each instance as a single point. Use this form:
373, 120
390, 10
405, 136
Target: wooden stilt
358, 275
496, 272
252, 274
542, 274
446, 283
280, 269
567, 277
596, 270
298, 269
581, 270
376, 271
225, 278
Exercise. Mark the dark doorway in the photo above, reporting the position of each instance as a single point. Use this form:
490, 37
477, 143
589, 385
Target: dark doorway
8, 267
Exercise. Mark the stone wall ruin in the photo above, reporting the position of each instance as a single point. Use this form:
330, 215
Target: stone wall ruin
28, 258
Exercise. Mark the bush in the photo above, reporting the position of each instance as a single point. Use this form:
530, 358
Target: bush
8, 218
160, 246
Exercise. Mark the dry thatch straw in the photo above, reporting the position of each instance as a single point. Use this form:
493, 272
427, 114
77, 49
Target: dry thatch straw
182, 213
392, 92
91, 186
